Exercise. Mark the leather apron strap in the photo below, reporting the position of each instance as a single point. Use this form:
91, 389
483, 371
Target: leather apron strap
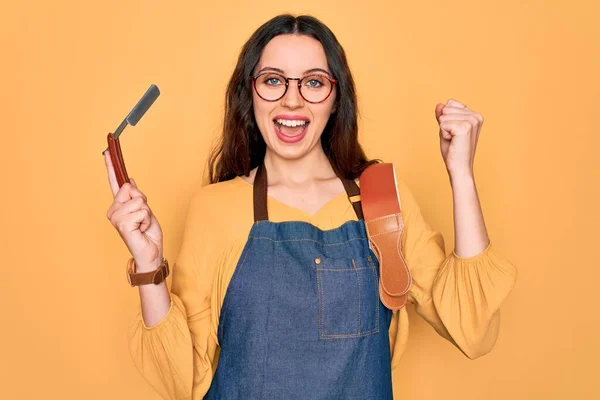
384, 223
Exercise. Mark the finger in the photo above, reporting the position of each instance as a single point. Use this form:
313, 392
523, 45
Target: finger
122, 197
445, 134
119, 211
458, 110
112, 176
438, 110
457, 127
135, 192
124, 193
455, 103
146, 222
135, 204
455, 110
460, 117
141, 218
132, 222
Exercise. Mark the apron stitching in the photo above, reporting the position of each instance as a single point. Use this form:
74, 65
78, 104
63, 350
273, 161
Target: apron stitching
358, 281
306, 240
233, 279
321, 305
267, 342
342, 269
376, 298
350, 335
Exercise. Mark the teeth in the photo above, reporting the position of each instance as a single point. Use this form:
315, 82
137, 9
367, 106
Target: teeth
291, 123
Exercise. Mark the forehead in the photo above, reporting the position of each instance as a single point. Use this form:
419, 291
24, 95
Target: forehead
293, 54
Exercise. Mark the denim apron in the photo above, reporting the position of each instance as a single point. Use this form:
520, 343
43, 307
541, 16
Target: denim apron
302, 318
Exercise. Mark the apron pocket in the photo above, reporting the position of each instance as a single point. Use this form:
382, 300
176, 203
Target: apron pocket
348, 291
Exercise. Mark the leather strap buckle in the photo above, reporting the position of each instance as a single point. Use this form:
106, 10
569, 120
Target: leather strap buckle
161, 273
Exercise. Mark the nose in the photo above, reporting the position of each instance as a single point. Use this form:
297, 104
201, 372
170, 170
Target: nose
293, 99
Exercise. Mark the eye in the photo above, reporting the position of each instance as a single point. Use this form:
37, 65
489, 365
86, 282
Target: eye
314, 82
272, 80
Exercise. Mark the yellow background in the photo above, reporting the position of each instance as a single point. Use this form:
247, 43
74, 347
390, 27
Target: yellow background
72, 70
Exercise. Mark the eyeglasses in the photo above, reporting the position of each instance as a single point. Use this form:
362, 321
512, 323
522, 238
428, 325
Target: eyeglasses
271, 86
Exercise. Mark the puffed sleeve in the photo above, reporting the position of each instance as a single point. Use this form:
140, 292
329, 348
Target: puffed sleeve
176, 355
459, 297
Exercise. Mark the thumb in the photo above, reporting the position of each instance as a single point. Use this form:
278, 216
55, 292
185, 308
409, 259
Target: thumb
438, 111
133, 182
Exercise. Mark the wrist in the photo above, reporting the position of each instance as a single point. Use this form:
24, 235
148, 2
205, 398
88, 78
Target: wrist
462, 179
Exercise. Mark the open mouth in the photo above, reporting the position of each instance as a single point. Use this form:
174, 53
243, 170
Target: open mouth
291, 131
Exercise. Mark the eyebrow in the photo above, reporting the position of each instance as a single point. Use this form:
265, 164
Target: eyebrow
305, 72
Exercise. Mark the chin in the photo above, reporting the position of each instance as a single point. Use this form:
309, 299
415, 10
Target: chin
288, 152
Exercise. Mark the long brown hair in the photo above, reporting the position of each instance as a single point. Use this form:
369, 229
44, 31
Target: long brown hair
242, 148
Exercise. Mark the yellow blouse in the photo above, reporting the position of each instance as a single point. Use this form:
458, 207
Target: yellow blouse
459, 297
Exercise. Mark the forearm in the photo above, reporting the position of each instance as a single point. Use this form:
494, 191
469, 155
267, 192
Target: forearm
154, 299
470, 233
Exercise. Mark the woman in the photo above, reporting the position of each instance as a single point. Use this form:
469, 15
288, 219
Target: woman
275, 289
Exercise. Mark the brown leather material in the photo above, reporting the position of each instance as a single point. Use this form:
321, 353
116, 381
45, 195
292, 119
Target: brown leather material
383, 219
260, 194
116, 156
354, 196
145, 278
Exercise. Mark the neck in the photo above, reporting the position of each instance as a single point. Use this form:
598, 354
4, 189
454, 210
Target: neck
298, 172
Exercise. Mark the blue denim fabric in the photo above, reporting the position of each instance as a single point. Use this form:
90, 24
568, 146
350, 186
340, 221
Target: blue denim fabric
302, 318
